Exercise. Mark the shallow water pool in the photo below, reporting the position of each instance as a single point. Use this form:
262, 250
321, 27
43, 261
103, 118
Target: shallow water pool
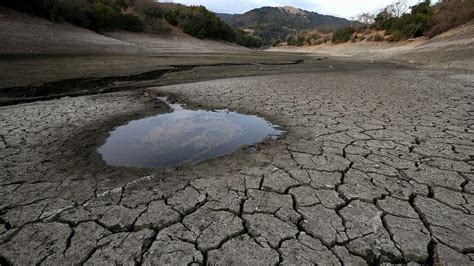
184, 136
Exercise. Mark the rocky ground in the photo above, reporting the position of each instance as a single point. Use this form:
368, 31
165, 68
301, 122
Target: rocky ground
377, 166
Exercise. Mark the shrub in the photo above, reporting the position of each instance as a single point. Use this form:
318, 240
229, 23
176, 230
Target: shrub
411, 25
150, 11
52, 7
300, 41
123, 4
312, 39
379, 38
77, 12
396, 36
246, 40
128, 22
104, 15
160, 27
342, 35
291, 40
172, 17
375, 38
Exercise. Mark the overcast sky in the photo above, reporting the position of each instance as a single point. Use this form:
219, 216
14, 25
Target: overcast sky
342, 8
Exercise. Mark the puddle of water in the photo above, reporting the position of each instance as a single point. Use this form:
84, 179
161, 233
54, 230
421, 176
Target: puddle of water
184, 136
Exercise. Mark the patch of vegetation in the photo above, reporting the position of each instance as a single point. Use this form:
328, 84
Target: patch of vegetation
299, 40
413, 24
396, 36
128, 22
90, 14
424, 19
149, 11
343, 35
375, 38
246, 40
307, 38
199, 22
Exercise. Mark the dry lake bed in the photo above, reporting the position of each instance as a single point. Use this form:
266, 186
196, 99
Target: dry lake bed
375, 165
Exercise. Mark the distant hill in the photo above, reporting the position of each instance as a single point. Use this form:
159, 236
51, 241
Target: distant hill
225, 17
273, 24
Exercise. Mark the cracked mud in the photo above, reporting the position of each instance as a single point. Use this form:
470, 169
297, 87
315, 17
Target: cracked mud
377, 166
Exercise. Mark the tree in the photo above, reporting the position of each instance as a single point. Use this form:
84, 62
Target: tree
414, 24
423, 8
77, 12
124, 4
104, 15
383, 19
151, 14
150, 9
366, 18
398, 8
50, 6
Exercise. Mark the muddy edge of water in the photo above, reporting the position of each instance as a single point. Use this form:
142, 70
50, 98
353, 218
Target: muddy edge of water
185, 136
78, 153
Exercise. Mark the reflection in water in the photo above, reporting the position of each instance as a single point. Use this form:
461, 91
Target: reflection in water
183, 136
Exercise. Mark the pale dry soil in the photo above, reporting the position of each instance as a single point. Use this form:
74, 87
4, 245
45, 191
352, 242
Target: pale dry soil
453, 49
377, 166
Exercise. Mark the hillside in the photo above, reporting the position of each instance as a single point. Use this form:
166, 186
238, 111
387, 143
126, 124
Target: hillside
273, 24
225, 17
453, 49
27, 34
144, 16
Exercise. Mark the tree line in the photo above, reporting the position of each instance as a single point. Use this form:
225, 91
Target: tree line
199, 22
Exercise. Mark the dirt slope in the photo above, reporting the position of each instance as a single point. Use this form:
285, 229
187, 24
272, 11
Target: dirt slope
21, 33
25, 34
172, 43
454, 48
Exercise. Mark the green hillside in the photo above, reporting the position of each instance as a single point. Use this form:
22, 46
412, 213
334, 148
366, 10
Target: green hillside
275, 24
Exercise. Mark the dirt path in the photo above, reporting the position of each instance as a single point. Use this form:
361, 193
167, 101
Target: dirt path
377, 166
